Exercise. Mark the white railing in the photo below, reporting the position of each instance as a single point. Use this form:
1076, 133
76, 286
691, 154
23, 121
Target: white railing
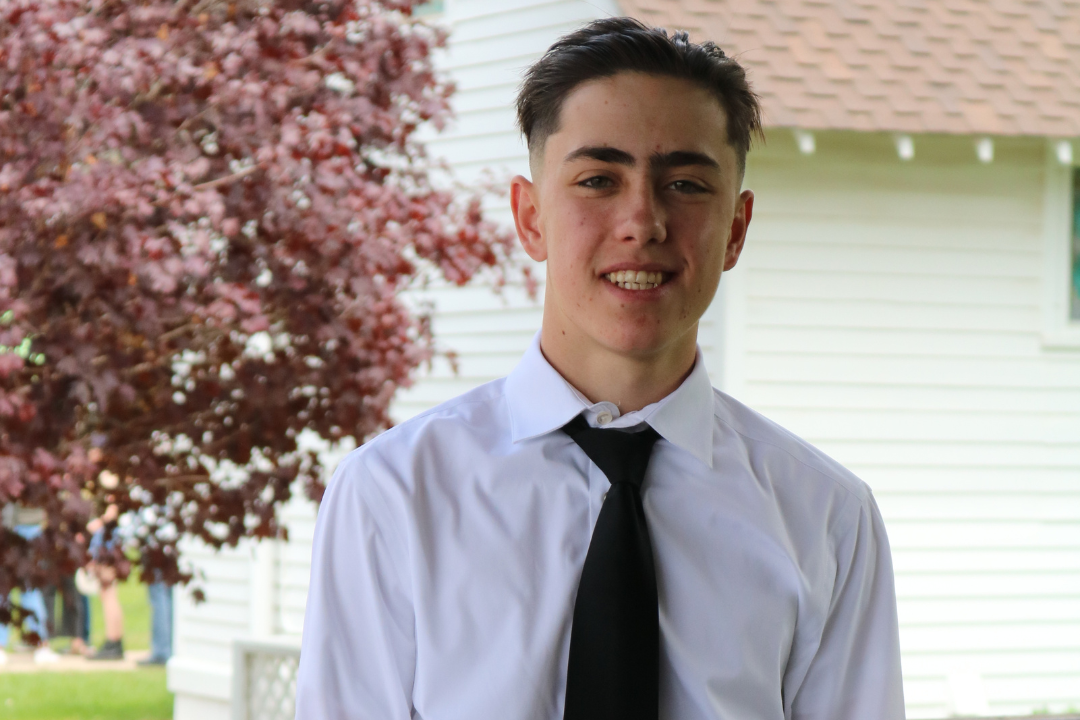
264, 678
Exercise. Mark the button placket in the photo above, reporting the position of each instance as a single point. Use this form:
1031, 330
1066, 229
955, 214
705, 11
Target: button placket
599, 486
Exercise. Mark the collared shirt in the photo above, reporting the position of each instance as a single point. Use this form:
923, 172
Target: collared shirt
448, 551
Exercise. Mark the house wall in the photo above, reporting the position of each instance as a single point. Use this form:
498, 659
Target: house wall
892, 316
199, 673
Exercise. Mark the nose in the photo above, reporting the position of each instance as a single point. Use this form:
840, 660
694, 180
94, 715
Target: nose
644, 219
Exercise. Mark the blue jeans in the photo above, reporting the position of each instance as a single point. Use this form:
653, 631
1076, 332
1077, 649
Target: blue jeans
161, 620
84, 629
31, 599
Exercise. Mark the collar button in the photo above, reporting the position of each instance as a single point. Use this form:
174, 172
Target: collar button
603, 418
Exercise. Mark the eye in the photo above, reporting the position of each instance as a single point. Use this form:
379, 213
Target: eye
596, 182
687, 186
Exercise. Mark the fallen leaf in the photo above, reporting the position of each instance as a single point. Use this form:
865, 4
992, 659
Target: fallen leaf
61, 241
163, 32
100, 220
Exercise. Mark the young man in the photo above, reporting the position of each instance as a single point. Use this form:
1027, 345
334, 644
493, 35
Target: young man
601, 534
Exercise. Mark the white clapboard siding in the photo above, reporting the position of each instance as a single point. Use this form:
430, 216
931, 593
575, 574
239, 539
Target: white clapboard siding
199, 673
207, 627
891, 315
490, 45
292, 565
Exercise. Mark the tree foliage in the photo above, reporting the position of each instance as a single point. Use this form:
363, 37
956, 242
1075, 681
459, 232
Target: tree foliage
207, 210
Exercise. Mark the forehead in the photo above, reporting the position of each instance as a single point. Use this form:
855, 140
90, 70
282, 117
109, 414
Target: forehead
640, 112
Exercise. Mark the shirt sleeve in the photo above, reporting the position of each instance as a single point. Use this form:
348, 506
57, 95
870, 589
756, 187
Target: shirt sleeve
358, 652
855, 673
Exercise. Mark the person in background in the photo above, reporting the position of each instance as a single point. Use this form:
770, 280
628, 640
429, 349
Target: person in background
81, 642
74, 619
161, 623
28, 524
71, 622
159, 592
103, 529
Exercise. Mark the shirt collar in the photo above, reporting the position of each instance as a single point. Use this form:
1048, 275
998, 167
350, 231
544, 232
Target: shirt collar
542, 401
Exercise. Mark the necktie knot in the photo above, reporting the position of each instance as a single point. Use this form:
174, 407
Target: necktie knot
622, 455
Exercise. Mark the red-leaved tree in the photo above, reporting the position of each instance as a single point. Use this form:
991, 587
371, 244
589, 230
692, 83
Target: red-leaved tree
207, 211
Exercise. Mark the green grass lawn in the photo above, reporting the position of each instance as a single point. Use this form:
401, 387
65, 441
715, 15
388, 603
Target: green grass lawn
138, 695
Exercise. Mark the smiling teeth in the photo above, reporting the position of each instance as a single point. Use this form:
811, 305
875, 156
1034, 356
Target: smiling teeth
636, 280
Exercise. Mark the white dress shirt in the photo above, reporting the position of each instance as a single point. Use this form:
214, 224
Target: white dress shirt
448, 551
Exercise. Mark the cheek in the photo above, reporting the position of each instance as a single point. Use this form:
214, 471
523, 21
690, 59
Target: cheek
574, 235
705, 239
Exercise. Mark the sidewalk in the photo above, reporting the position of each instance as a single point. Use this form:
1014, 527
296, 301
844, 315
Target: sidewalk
23, 662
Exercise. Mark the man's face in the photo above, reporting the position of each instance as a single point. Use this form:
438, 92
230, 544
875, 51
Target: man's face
636, 208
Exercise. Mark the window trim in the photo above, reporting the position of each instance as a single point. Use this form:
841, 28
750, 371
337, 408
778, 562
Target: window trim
1060, 332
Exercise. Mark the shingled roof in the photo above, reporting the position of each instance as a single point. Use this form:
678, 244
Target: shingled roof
995, 67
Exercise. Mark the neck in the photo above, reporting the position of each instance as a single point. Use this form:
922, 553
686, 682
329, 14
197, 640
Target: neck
629, 381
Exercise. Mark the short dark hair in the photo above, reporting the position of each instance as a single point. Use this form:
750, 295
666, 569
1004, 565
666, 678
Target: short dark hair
620, 44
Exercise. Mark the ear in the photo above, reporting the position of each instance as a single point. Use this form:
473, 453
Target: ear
744, 210
524, 201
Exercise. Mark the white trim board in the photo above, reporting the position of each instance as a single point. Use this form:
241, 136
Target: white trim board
1059, 332
191, 676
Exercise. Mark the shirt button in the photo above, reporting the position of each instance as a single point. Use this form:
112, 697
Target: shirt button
604, 496
603, 418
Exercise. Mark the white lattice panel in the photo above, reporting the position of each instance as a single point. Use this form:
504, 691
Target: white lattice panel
264, 681
271, 686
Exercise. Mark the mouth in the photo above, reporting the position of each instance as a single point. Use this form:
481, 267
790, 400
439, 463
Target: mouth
637, 280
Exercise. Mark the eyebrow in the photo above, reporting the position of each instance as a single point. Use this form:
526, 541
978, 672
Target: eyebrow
657, 161
602, 154
681, 158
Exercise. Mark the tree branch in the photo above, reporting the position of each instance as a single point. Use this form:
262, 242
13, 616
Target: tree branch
227, 179
180, 479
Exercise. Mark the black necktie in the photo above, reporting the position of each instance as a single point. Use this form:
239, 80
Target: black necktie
615, 639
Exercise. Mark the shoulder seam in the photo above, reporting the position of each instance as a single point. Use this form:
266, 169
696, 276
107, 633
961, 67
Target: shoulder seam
443, 407
787, 452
